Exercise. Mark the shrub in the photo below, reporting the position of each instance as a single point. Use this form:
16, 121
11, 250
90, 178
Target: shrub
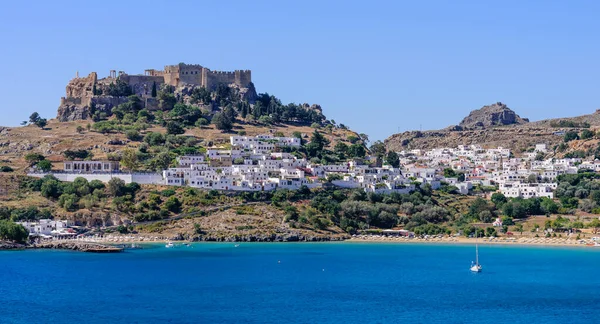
173, 205
167, 192
201, 122
133, 135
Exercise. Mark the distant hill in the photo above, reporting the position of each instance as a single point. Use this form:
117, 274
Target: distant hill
497, 114
495, 125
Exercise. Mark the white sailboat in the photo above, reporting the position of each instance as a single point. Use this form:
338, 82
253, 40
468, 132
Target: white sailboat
475, 266
170, 245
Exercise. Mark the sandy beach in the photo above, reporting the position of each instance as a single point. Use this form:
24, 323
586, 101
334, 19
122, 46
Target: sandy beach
586, 242
535, 241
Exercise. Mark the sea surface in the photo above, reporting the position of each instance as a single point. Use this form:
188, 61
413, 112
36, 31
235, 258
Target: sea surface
302, 283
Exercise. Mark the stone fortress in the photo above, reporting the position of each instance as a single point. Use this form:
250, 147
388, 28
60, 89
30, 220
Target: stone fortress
84, 93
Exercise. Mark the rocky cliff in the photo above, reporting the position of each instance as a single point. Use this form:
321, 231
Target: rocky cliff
497, 114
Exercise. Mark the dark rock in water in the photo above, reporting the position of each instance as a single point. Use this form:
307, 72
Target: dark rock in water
77, 246
11, 246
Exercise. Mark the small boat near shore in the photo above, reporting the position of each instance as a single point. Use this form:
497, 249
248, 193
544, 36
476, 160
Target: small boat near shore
170, 245
475, 266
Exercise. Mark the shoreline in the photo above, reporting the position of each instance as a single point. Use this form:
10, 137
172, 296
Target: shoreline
119, 243
554, 242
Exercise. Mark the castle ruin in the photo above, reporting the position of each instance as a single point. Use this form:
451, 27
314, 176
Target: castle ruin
83, 93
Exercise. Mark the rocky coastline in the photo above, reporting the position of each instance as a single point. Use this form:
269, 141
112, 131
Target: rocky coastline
63, 245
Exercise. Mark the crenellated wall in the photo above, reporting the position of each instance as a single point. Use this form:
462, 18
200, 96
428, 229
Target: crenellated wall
197, 74
80, 91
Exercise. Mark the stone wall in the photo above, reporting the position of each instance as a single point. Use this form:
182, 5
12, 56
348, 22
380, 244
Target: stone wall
214, 78
140, 178
142, 84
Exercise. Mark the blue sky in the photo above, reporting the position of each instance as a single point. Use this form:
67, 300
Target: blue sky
376, 66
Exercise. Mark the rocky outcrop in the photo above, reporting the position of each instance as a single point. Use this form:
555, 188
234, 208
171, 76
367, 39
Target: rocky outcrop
71, 110
514, 137
491, 126
62, 245
497, 114
77, 246
4, 245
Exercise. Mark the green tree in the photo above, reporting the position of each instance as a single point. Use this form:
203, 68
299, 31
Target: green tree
174, 128
166, 100
378, 150
41, 123
154, 139
393, 159
68, 202
490, 231
133, 135
13, 232
201, 122
33, 118
51, 188
222, 122
44, 165
129, 159
498, 199
34, 158
161, 161
77, 154
173, 204
449, 173
571, 135
548, 206
116, 187
357, 150
587, 134
340, 148
153, 94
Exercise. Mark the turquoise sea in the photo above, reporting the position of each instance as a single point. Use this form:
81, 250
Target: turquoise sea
302, 283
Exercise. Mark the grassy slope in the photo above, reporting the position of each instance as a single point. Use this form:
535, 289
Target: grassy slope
57, 137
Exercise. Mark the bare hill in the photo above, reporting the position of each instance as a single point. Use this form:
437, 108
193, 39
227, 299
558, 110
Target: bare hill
492, 126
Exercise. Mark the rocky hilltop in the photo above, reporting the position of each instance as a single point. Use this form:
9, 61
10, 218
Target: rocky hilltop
491, 126
497, 114
87, 96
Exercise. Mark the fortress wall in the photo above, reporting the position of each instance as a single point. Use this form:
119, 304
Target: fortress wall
142, 84
191, 75
216, 77
171, 78
243, 78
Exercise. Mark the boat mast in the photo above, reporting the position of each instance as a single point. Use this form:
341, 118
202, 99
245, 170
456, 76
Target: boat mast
476, 250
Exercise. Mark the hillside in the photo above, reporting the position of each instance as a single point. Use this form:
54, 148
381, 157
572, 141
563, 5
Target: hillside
492, 126
57, 137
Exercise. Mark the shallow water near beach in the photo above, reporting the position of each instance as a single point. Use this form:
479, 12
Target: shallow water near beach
302, 283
